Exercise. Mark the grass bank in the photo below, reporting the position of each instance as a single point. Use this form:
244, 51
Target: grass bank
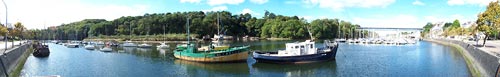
20, 65
471, 64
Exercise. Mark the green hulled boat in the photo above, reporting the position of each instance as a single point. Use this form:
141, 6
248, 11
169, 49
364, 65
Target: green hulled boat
211, 53
191, 53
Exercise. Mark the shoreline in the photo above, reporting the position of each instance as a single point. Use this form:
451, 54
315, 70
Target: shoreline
476, 69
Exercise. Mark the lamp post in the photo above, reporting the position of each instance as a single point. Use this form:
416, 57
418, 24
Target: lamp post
1, 61
6, 39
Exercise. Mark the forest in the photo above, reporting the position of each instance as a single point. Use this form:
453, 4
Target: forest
201, 24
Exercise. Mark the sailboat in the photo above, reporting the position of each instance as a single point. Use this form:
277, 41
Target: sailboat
163, 45
129, 43
218, 38
190, 52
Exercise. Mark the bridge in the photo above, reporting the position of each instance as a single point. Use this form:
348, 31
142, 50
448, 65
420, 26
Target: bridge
415, 32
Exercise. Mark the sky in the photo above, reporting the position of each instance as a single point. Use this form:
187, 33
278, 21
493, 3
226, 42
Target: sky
38, 14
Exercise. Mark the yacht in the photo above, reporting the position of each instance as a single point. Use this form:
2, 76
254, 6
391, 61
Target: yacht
129, 44
144, 45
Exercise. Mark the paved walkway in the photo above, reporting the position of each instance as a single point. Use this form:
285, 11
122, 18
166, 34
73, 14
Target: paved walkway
9, 45
491, 46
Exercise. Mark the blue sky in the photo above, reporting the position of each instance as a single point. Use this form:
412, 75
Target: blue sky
367, 13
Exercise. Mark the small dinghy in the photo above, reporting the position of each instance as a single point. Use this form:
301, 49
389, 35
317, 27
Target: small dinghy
106, 49
299, 52
89, 47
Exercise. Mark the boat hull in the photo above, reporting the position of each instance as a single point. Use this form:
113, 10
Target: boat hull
296, 59
41, 51
72, 46
242, 56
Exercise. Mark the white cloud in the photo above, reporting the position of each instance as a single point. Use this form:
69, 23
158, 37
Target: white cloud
398, 21
417, 2
218, 8
246, 10
471, 2
190, 1
450, 18
220, 2
36, 13
259, 1
339, 5
308, 18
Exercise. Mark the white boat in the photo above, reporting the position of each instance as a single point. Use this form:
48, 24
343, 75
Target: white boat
401, 42
144, 45
100, 43
411, 41
299, 52
350, 41
89, 47
162, 46
72, 45
340, 40
129, 44
106, 49
54, 41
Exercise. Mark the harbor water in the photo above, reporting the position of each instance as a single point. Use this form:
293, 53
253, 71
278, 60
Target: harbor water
424, 59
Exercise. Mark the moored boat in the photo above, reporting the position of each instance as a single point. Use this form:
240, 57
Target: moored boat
89, 47
41, 50
72, 44
163, 46
129, 44
299, 52
106, 48
191, 53
144, 45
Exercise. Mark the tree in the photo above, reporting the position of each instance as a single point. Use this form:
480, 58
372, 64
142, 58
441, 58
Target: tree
18, 30
489, 21
3, 30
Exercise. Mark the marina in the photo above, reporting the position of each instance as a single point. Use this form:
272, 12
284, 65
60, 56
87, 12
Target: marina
250, 38
423, 58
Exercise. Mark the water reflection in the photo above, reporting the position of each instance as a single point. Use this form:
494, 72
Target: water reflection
320, 69
214, 68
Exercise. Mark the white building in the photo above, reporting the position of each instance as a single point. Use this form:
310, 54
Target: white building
436, 30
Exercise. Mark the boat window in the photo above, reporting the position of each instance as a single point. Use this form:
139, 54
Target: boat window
302, 46
296, 46
311, 46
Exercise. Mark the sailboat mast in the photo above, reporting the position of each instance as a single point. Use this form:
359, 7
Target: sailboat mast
187, 26
164, 29
218, 24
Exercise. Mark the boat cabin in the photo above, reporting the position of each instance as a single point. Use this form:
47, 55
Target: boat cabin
299, 48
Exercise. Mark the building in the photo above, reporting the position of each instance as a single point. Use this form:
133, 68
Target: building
436, 30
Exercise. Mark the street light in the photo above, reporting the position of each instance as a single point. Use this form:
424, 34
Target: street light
6, 39
1, 61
